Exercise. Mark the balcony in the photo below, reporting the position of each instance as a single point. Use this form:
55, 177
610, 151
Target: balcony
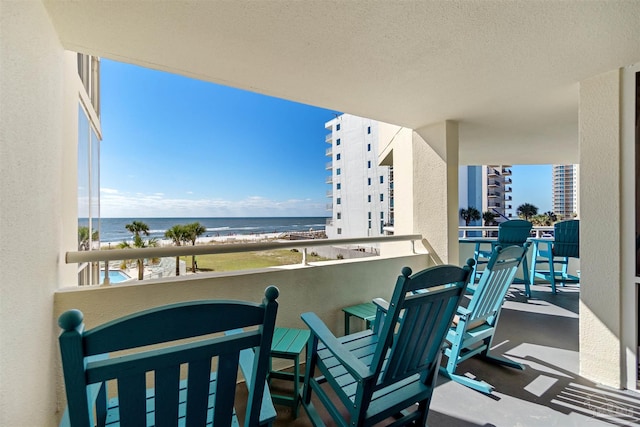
494, 194
506, 171
329, 180
328, 152
328, 166
329, 193
41, 64
329, 138
550, 388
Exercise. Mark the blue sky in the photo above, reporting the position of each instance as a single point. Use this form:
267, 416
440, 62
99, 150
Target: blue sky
179, 147
175, 146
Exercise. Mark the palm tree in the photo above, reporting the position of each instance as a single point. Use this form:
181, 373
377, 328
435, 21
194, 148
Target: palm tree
139, 242
551, 217
469, 214
527, 211
137, 227
83, 238
194, 230
177, 234
489, 218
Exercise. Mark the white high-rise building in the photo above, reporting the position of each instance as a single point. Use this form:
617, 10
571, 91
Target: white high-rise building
361, 191
486, 188
565, 190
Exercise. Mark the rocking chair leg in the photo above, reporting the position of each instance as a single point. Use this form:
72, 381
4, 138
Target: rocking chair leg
503, 361
480, 386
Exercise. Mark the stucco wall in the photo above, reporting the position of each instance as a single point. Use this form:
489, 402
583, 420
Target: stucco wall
34, 139
324, 288
435, 191
600, 251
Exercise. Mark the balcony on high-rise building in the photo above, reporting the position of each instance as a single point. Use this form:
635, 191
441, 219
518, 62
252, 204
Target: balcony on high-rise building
549, 102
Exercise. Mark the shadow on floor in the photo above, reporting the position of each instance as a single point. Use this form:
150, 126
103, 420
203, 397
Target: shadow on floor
542, 333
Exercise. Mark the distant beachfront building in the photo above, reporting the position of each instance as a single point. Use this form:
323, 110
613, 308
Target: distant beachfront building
486, 188
565, 190
361, 191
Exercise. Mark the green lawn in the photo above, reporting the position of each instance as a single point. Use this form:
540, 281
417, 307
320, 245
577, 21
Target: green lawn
249, 260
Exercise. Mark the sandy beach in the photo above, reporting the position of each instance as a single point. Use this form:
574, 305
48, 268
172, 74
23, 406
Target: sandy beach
233, 238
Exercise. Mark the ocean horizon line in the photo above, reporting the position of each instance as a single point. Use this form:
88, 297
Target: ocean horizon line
114, 229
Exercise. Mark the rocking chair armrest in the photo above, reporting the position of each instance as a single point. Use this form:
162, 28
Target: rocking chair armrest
346, 359
381, 304
463, 312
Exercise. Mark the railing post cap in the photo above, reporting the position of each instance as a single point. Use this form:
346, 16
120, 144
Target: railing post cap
406, 271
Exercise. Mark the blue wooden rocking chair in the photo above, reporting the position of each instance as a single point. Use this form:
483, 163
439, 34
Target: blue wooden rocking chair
380, 373
565, 245
512, 232
205, 396
474, 326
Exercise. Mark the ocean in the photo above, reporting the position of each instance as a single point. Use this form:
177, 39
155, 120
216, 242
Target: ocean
113, 229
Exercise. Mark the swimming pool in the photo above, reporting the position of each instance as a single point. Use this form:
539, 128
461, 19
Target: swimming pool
115, 276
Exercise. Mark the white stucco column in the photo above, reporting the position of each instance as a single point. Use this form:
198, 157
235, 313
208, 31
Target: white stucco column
38, 218
425, 170
600, 231
435, 189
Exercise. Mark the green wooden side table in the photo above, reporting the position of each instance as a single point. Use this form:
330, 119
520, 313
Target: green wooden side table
365, 311
287, 344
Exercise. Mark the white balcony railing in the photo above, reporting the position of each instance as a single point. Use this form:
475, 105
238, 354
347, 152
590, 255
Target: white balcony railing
478, 230
173, 251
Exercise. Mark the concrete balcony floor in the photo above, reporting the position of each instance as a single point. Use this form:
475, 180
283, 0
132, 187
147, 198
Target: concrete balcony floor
542, 333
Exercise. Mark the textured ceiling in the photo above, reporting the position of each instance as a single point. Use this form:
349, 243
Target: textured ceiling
509, 72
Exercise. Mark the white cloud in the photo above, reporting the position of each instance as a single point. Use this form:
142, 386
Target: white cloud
108, 190
116, 204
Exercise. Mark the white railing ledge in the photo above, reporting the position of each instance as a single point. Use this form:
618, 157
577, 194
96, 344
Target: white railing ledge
206, 249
